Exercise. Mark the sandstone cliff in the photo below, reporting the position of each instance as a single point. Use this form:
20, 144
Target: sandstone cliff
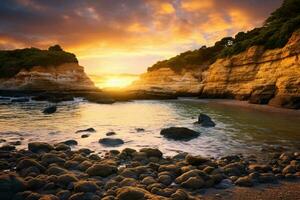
271, 76
68, 76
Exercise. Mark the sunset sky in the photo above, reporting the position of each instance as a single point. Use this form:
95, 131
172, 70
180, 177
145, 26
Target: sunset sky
126, 36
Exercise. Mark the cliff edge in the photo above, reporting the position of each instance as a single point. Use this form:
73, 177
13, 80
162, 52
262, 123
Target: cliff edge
35, 69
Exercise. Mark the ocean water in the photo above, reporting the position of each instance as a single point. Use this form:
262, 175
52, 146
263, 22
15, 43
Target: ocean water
240, 128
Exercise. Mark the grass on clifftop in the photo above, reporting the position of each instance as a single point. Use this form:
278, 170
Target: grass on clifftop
13, 61
275, 33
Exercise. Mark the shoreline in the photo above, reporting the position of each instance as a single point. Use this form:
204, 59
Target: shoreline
55, 172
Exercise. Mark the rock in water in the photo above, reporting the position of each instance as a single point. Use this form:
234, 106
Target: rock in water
111, 141
91, 130
179, 133
20, 100
205, 121
50, 110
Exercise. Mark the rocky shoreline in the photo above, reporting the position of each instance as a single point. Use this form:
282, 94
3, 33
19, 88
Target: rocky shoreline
56, 172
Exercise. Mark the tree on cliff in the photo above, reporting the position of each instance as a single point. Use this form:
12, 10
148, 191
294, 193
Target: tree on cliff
55, 48
275, 33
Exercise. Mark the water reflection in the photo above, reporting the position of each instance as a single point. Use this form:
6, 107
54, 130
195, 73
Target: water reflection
238, 130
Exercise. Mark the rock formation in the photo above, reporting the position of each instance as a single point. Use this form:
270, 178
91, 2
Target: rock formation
258, 75
68, 76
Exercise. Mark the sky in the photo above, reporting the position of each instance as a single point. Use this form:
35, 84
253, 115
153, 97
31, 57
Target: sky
126, 36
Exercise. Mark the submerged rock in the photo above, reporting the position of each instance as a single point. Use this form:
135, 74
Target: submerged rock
110, 133
91, 130
70, 142
50, 110
179, 133
111, 141
205, 121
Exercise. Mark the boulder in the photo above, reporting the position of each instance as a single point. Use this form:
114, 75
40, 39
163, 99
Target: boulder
10, 184
38, 147
150, 152
27, 163
70, 142
179, 133
50, 110
102, 170
86, 186
205, 121
131, 193
111, 141
193, 183
195, 160
244, 181
110, 133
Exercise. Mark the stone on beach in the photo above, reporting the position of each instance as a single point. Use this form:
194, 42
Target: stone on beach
91, 130
205, 121
179, 133
50, 110
37, 147
102, 170
111, 141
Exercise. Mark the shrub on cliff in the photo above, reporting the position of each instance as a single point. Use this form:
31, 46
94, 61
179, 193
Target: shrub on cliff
275, 33
13, 61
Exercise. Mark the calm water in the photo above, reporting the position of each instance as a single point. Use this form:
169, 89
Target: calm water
239, 129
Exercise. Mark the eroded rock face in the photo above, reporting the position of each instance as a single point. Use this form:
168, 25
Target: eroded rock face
68, 76
264, 77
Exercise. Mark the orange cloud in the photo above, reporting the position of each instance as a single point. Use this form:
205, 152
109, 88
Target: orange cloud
196, 5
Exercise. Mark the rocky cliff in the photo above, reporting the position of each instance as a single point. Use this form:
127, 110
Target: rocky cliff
258, 75
68, 76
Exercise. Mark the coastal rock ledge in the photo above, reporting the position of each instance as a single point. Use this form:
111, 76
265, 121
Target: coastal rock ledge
257, 75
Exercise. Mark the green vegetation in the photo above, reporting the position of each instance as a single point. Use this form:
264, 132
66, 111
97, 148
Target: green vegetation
275, 33
13, 61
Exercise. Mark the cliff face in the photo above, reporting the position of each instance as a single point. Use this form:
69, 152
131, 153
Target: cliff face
271, 76
68, 76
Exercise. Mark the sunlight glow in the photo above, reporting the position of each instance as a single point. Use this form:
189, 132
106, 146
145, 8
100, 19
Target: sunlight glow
113, 81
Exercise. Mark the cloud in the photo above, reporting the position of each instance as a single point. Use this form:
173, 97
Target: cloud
101, 32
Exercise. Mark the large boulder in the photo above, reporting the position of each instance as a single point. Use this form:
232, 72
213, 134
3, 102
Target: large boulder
205, 121
179, 133
38, 147
130, 193
111, 141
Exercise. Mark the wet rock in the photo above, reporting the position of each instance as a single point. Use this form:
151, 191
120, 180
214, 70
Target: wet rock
259, 168
111, 141
38, 147
65, 179
165, 179
70, 142
128, 182
27, 163
179, 133
55, 170
140, 130
84, 196
192, 173
85, 135
50, 110
150, 152
49, 158
193, 183
10, 184
102, 170
195, 160
110, 133
91, 130
205, 121
234, 169
148, 180
36, 183
62, 147
86, 186
244, 181
180, 195
130, 193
